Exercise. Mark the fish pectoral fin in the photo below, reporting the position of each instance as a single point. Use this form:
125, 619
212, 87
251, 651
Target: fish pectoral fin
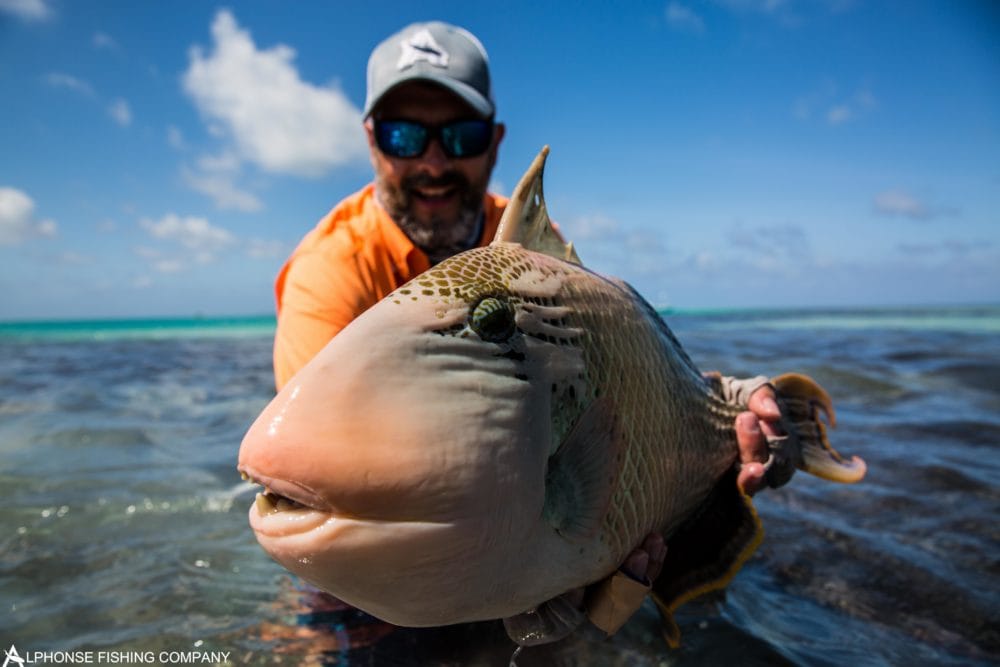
526, 219
580, 476
803, 405
706, 551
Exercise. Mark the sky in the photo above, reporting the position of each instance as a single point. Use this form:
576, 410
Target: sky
164, 158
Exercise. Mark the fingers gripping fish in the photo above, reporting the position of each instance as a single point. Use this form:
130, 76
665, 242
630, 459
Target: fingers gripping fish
505, 428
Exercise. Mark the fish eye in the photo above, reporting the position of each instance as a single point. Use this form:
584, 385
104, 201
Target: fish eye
492, 319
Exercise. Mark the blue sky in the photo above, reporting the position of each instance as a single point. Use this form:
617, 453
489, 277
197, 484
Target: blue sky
163, 158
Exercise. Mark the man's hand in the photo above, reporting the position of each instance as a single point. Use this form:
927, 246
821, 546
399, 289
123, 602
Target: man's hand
613, 600
644, 563
761, 420
646, 560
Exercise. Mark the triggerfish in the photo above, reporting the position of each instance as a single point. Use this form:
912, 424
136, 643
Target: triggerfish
507, 427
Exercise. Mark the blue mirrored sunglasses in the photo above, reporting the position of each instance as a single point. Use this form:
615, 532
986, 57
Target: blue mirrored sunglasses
409, 139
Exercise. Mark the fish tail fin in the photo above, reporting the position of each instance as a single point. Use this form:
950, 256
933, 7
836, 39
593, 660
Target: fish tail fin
706, 551
803, 405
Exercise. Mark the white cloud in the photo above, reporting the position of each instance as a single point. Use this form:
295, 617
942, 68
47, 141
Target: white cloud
865, 99
853, 108
770, 7
788, 13
787, 240
684, 18
705, 260
223, 190
805, 105
216, 177
191, 232
953, 248
779, 248
28, 10
175, 138
168, 265
606, 246
71, 258
18, 221
897, 202
190, 240
147, 253
102, 40
839, 114
121, 112
595, 227
834, 107
274, 119
763, 6
61, 80
119, 109
225, 162
266, 249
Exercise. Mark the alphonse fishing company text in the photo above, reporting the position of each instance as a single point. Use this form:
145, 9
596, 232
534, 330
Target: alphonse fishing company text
14, 658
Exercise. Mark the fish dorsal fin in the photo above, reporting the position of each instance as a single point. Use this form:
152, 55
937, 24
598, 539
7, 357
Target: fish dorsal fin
526, 220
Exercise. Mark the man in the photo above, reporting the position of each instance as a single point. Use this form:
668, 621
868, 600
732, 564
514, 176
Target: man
430, 122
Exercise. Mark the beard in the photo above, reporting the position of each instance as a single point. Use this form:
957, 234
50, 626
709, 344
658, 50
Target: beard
439, 237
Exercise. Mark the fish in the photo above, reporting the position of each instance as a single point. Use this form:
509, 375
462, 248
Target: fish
505, 428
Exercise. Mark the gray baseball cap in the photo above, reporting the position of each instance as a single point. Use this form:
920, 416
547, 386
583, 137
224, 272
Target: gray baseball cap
444, 54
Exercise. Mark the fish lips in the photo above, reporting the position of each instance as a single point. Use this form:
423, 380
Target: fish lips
285, 508
294, 491
306, 509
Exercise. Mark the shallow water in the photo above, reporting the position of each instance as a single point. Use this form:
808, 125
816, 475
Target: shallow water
123, 525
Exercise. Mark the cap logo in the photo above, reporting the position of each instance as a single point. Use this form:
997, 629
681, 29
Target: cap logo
421, 46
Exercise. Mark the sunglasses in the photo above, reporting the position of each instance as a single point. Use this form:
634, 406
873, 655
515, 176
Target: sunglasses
409, 139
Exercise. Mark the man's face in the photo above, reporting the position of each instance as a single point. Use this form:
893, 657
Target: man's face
435, 199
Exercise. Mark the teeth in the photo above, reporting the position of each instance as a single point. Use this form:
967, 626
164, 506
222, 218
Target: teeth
269, 503
264, 504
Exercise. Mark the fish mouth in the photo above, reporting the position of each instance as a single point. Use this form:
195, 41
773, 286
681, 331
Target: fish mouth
285, 508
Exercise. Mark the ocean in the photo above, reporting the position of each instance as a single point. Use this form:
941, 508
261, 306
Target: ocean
124, 537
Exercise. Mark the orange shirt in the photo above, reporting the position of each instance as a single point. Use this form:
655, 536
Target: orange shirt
355, 256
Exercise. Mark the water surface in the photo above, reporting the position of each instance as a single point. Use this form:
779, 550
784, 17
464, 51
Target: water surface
123, 522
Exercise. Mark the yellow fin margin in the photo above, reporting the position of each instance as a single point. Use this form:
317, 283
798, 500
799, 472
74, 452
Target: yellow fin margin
667, 608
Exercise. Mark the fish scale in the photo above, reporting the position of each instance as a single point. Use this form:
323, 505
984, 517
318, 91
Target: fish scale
618, 334
673, 427
661, 443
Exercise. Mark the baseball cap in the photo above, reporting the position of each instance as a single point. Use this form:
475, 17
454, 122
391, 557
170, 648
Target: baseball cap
434, 51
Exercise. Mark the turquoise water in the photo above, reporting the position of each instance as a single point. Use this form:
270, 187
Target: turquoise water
123, 523
103, 330
982, 319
